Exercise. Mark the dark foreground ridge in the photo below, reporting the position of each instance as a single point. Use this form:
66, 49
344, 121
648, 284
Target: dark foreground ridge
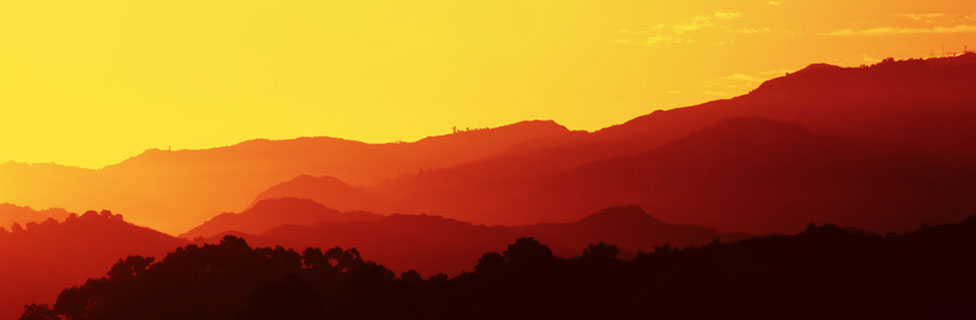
822, 272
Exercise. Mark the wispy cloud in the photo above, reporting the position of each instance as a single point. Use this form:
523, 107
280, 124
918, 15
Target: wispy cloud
741, 77
753, 30
727, 15
774, 3
681, 32
659, 39
882, 31
921, 16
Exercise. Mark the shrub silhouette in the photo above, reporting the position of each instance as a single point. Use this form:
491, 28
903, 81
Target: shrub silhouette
601, 252
38, 312
528, 251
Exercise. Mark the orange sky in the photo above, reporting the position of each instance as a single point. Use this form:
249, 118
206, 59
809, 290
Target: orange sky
90, 83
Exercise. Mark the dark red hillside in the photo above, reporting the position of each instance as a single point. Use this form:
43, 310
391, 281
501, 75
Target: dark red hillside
39, 260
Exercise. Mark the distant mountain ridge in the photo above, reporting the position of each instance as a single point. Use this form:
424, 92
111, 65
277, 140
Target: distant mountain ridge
175, 190
913, 117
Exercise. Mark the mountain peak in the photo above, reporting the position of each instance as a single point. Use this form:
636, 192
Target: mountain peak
621, 215
813, 67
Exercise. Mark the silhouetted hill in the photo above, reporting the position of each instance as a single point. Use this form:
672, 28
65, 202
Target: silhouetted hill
267, 214
175, 190
41, 258
823, 272
433, 244
10, 214
742, 174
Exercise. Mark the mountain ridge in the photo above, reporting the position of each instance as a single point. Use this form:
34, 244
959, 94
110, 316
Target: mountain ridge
917, 110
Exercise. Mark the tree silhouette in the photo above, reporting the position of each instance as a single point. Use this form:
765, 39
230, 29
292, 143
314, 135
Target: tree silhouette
824, 272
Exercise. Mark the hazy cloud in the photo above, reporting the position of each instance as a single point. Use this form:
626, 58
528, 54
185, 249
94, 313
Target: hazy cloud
753, 30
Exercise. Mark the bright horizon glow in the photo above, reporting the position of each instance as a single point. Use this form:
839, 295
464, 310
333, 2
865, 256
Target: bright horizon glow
92, 83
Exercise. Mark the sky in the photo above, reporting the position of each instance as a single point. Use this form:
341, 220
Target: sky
91, 83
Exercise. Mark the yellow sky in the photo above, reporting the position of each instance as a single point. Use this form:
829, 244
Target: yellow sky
91, 83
